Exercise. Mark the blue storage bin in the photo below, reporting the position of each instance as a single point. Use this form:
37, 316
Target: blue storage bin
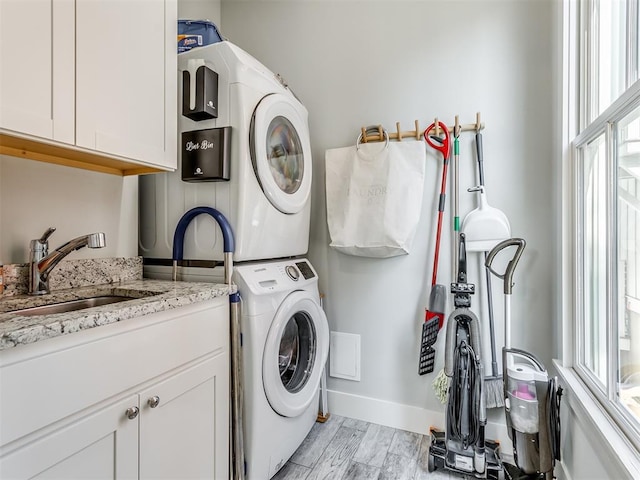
196, 33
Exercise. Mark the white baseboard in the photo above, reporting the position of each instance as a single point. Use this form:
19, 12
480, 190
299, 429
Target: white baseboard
561, 473
404, 417
382, 412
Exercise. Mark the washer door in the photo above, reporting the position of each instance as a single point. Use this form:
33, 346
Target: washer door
295, 354
281, 153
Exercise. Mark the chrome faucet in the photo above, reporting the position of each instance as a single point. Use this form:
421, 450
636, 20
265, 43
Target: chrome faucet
41, 262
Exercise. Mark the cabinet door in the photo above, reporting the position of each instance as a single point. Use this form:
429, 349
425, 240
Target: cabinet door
37, 68
186, 435
126, 74
102, 445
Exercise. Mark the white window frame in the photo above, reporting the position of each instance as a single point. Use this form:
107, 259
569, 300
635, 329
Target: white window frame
619, 433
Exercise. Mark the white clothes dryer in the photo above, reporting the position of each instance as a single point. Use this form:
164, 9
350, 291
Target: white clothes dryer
285, 339
261, 146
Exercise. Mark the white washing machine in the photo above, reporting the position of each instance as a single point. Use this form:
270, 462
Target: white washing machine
285, 339
261, 147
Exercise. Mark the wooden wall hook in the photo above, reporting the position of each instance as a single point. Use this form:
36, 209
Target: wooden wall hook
377, 133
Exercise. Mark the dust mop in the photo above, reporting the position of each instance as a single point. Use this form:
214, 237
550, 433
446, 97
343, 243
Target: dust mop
441, 383
485, 227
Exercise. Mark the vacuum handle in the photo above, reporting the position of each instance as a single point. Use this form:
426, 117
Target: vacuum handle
462, 258
507, 276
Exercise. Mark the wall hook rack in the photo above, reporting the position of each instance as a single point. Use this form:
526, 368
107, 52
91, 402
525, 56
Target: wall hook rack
377, 133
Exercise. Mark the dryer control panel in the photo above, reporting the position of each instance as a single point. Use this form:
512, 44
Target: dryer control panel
275, 276
306, 270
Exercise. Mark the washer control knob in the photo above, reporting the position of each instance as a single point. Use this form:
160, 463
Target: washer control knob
293, 272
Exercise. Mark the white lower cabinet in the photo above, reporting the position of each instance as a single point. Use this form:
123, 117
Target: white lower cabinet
188, 406
102, 445
174, 425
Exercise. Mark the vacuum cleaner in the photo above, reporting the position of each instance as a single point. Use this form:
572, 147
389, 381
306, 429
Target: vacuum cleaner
532, 399
462, 447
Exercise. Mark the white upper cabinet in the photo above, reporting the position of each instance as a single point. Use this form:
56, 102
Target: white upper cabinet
123, 87
96, 77
37, 68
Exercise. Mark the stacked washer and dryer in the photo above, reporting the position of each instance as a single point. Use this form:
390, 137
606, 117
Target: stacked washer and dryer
246, 152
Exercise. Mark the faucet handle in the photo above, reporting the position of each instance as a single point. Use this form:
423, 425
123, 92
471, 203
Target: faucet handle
47, 234
38, 248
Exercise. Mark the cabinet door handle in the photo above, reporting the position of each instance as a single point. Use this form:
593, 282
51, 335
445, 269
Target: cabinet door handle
154, 401
132, 412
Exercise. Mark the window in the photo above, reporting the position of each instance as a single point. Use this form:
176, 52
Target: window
607, 208
607, 31
628, 219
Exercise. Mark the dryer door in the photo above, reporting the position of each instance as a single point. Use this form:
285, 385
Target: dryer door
281, 152
295, 354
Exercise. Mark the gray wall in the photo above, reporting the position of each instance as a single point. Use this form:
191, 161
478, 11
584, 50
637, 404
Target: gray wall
36, 195
360, 63
200, 10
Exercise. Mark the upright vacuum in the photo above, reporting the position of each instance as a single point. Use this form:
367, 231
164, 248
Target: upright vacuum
462, 448
532, 399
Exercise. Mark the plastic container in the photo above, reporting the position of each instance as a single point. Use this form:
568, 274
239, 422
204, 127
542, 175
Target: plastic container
196, 33
523, 401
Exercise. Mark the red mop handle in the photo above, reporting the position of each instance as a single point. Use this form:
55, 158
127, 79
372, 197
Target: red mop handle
443, 196
442, 145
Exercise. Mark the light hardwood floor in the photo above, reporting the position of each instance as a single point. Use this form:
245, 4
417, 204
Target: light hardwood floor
347, 449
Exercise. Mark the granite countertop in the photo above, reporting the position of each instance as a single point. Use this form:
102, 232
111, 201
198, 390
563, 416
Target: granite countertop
148, 296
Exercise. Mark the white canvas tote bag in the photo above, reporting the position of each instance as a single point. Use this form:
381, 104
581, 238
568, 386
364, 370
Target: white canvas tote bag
374, 197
